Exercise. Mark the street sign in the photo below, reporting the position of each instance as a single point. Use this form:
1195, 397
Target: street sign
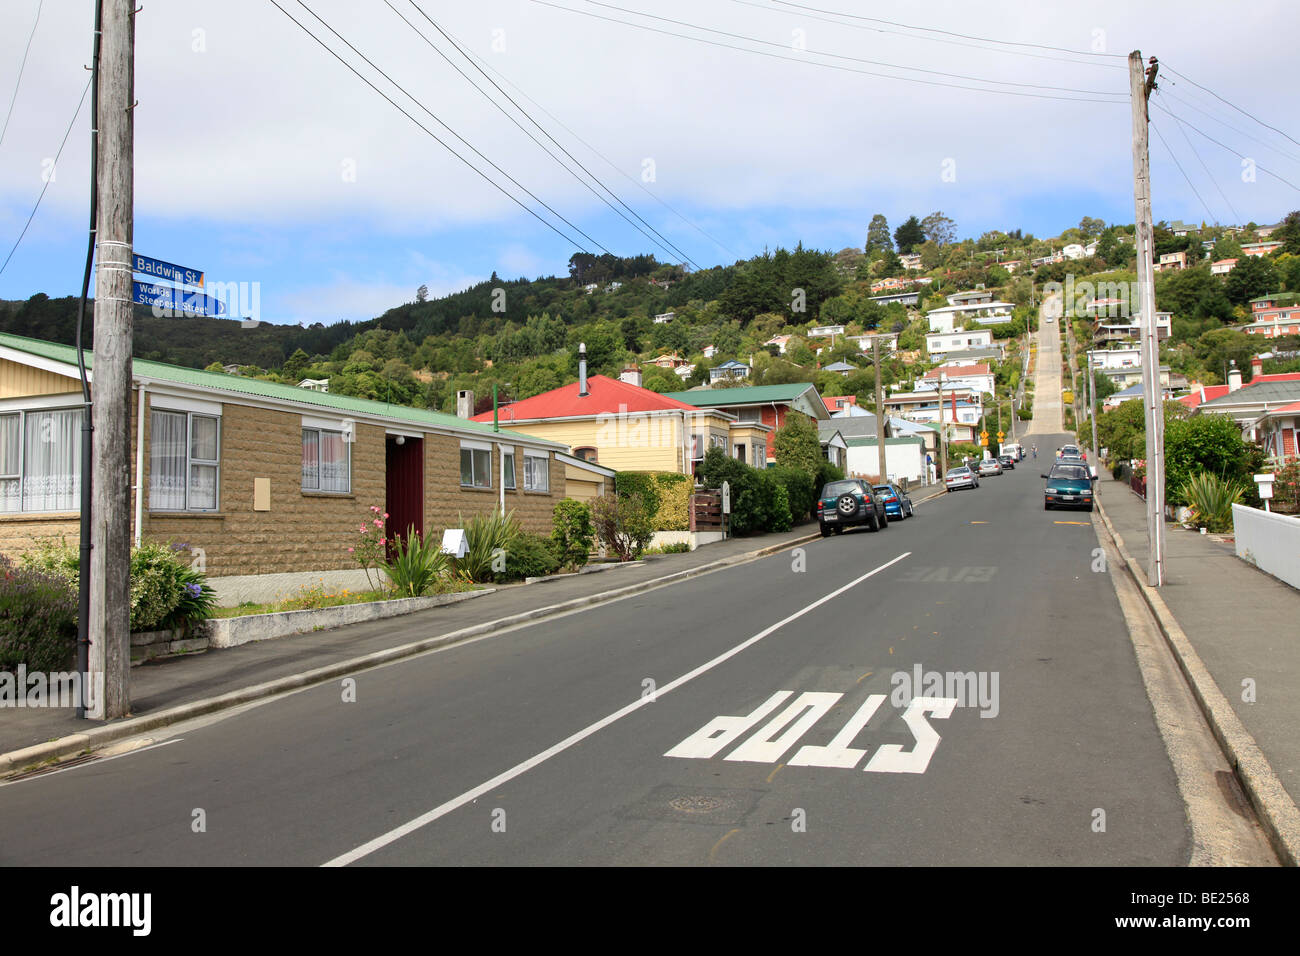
158, 269
984, 435
1001, 435
726, 497
171, 299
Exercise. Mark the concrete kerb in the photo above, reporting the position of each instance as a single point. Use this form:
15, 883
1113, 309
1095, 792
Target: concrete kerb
28, 757
1277, 812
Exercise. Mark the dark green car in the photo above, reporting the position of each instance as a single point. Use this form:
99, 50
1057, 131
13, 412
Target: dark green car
847, 503
1069, 485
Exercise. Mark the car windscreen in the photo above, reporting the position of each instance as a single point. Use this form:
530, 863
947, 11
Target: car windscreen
963, 470
1069, 473
887, 489
835, 488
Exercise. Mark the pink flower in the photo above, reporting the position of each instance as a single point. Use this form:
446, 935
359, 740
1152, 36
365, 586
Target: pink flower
350, 551
383, 540
386, 513
363, 529
378, 523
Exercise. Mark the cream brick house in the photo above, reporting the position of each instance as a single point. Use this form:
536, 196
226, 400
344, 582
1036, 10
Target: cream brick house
266, 483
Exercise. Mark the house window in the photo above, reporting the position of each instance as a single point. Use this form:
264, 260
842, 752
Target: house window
508, 469
475, 466
184, 461
40, 460
740, 451
586, 454
697, 451
326, 461
537, 473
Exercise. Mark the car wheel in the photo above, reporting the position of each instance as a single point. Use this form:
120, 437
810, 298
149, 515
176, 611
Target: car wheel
1046, 506
826, 532
1089, 508
839, 529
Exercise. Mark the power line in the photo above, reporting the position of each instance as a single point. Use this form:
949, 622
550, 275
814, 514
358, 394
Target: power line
532, 212
1214, 179
49, 179
1164, 91
853, 59
1180, 169
964, 36
21, 66
1227, 103
829, 66
1183, 122
909, 36
608, 162
658, 238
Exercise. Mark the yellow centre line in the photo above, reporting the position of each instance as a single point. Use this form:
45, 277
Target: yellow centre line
774, 772
979, 522
728, 836
1072, 522
863, 677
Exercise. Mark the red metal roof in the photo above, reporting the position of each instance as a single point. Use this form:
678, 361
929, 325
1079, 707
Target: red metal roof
1218, 391
604, 395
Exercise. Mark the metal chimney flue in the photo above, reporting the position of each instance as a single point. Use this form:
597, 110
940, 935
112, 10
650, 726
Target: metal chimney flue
582, 369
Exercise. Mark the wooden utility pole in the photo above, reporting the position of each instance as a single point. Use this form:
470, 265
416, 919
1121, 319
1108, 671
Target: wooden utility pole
1092, 408
110, 561
1141, 83
943, 434
880, 407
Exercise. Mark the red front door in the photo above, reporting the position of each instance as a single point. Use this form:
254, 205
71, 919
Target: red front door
404, 498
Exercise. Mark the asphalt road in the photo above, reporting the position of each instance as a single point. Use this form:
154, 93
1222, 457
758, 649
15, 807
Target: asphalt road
603, 737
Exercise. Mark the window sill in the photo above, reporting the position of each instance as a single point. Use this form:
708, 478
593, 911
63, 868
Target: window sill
346, 495
534, 491
477, 488
40, 516
153, 515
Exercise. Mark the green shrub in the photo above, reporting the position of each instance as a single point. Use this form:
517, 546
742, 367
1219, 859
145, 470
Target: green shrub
415, 565
673, 513
758, 501
488, 539
1212, 497
38, 620
1203, 443
530, 556
628, 483
624, 525
826, 472
572, 533
796, 444
799, 489
166, 592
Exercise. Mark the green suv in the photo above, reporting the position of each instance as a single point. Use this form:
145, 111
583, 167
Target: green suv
849, 502
1069, 485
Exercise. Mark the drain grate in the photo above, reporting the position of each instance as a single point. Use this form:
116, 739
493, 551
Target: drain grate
707, 805
61, 765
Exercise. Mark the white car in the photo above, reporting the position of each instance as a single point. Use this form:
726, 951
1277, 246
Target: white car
960, 477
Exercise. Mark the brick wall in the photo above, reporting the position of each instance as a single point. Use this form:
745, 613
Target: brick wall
303, 532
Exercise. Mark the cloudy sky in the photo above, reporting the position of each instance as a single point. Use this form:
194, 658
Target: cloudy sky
260, 157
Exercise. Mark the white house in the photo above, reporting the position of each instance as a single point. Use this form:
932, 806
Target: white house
950, 317
976, 377
940, 343
970, 297
821, 331
780, 341
663, 318
729, 370
888, 341
1073, 251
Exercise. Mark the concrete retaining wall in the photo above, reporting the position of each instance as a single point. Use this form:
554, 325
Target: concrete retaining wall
1269, 541
693, 538
233, 631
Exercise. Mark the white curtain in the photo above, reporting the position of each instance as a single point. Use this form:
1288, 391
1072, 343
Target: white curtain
167, 461
11, 435
52, 461
310, 460
334, 462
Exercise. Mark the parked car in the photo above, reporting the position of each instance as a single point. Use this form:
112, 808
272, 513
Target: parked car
990, 466
851, 501
1069, 451
960, 477
897, 502
1008, 462
1069, 485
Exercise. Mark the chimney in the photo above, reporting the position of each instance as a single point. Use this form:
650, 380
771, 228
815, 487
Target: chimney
631, 375
1256, 368
582, 369
1234, 377
465, 403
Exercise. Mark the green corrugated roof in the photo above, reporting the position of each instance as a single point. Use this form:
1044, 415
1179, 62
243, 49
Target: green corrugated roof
745, 395
864, 442
242, 385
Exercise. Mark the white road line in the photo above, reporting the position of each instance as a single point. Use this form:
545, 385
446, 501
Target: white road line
392, 836
92, 763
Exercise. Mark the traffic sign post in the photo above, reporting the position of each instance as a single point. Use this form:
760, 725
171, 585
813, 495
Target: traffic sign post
159, 269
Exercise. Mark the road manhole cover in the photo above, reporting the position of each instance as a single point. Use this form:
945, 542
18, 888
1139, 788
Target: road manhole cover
707, 805
696, 804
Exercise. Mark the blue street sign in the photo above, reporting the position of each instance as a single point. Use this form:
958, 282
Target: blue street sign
170, 299
167, 270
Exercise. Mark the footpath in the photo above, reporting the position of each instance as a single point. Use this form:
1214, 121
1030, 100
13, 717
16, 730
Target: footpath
1235, 632
169, 690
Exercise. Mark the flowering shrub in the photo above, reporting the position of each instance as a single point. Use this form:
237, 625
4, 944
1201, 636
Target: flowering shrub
38, 619
165, 591
371, 547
